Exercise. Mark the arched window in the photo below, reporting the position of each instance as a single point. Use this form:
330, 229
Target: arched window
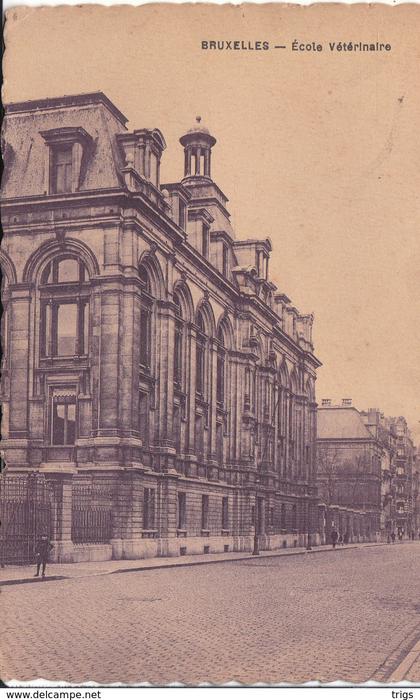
221, 353
145, 318
64, 308
178, 341
200, 355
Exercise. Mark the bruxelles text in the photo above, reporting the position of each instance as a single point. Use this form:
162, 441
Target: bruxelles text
296, 45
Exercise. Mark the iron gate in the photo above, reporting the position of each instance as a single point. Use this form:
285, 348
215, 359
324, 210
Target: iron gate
25, 514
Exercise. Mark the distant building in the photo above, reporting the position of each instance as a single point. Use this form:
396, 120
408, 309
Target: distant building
384, 431
405, 484
348, 473
416, 494
154, 374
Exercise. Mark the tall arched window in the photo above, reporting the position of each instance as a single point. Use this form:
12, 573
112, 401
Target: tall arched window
200, 355
221, 354
145, 319
64, 308
178, 341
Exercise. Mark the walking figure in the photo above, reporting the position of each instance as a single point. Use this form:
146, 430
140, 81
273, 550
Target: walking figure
393, 537
334, 537
42, 550
346, 537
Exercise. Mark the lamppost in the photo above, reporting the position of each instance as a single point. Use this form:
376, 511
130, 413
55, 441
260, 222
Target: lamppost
256, 549
308, 517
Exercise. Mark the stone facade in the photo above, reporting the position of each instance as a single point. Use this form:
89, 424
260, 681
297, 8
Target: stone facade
153, 371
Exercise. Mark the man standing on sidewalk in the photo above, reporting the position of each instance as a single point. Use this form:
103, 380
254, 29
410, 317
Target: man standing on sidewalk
42, 550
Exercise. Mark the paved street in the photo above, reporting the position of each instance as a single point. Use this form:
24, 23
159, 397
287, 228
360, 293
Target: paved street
351, 615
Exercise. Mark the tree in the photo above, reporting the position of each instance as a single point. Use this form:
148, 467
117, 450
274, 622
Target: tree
328, 463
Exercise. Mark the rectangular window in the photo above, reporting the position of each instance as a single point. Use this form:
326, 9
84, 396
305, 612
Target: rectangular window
66, 318
219, 443
182, 512
225, 260
64, 329
145, 336
205, 241
144, 416
61, 169
181, 214
220, 378
200, 366
177, 427
225, 513
199, 437
63, 420
178, 354
154, 169
204, 512
149, 509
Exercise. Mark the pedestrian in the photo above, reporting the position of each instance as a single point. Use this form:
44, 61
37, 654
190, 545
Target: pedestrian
340, 539
388, 539
346, 537
393, 537
334, 537
42, 550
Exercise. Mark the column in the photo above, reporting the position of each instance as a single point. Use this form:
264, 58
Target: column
197, 160
61, 486
207, 162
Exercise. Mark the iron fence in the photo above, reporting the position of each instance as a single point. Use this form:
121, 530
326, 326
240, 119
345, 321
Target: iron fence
25, 514
91, 521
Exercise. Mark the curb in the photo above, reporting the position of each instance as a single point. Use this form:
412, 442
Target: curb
154, 567
12, 581
225, 561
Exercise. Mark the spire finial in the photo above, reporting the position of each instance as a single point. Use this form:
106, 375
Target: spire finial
198, 119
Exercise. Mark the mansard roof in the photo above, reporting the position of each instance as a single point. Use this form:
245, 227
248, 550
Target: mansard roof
337, 423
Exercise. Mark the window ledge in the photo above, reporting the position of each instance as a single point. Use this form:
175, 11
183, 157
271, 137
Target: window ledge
149, 534
181, 533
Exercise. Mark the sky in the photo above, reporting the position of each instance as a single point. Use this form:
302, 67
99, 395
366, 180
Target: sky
317, 150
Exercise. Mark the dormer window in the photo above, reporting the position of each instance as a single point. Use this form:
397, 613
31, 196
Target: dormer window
61, 169
68, 151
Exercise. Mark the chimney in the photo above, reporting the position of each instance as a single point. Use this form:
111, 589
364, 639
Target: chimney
325, 402
346, 402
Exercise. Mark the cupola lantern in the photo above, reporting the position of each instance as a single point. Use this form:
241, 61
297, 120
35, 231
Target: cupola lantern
197, 143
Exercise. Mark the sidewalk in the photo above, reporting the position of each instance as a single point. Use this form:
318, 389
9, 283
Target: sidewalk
25, 574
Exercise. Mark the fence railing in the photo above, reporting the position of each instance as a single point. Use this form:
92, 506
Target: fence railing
25, 514
91, 525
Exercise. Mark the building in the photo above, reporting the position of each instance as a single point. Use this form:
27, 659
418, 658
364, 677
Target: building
384, 430
156, 380
416, 494
405, 478
349, 473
